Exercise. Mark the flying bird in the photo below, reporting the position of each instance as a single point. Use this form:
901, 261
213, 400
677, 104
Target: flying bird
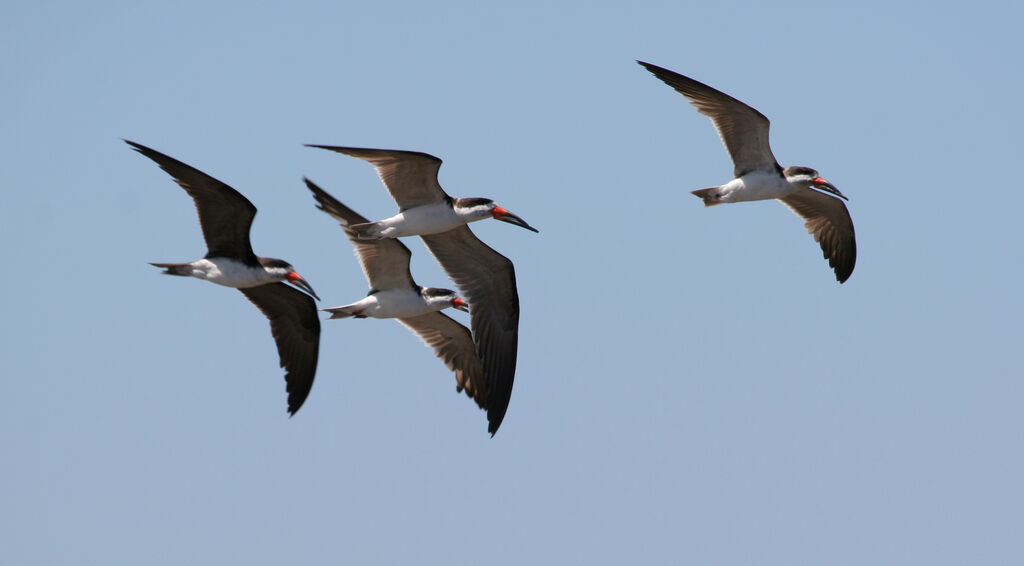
225, 217
394, 294
425, 208
485, 278
758, 176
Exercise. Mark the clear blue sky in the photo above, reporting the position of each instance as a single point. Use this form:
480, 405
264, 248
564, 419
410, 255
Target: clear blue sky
693, 385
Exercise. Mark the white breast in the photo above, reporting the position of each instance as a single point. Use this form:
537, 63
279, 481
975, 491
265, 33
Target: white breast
421, 220
757, 185
231, 273
395, 303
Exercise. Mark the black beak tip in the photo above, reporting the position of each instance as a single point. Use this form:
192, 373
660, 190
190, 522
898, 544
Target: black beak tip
515, 220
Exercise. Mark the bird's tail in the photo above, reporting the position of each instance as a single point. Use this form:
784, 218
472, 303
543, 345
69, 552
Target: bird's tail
184, 269
343, 312
367, 231
711, 195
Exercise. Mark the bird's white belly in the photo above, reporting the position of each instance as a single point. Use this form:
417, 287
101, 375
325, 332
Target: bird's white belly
422, 220
395, 303
230, 273
758, 185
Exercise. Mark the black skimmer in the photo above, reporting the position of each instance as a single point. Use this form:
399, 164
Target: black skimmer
485, 278
225, 217
411, 177
394, 294
744, 131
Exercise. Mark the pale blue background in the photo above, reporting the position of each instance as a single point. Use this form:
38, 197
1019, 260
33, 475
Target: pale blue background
693, 386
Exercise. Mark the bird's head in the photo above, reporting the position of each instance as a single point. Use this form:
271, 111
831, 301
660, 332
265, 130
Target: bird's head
444, 298
285, 272
807, 177
480, 208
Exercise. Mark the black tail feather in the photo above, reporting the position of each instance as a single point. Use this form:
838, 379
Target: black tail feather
710, 196
183, 269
